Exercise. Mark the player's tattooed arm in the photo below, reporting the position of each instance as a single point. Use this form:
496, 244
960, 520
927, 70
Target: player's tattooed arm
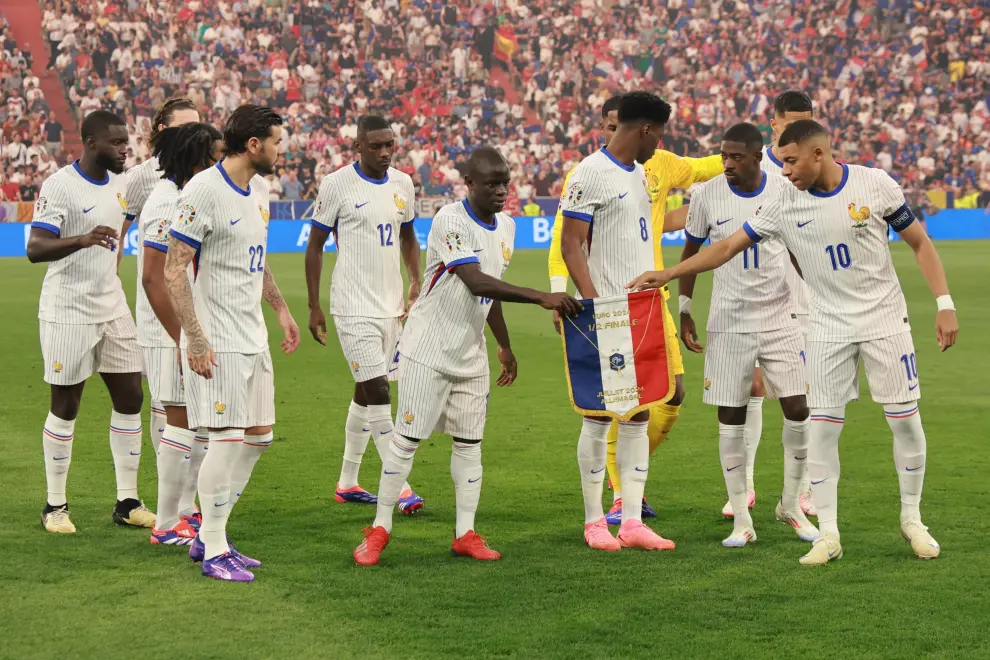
685, 290
314, 270
180, 255
946, 323
496, 321
272, 295
572, 238
706, 260
486, 286
44, 245
409, 246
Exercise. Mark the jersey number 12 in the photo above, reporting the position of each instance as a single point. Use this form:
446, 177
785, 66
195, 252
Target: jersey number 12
385, 235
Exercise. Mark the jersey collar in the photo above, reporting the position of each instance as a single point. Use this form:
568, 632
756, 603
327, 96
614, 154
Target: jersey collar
377, 182
833, 193
95, 182
743, 193
474, 216
627, 168
773, 159
230, 182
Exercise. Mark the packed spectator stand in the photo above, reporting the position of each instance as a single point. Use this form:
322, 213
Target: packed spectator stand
902, 85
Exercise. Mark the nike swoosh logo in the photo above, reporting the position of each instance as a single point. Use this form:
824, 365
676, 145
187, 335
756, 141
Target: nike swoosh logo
911, 388
89, 209
722, 222
187, 457
357, 206
471, 481
222, 504
802, 224
815, 483
734, 467
642, 469
907, 469
623, 194
598, 471
365, 430
61, 458
135, 453
800, 458
831, 554
387, 472
385, 432
234, 222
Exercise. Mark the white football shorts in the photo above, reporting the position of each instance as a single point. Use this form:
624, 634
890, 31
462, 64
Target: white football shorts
165, 382
729, 359
432, 401
891, 371
73, 353
240, 395
368, 345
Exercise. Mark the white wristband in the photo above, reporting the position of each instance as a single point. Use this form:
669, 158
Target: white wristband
944, 303
685, 304
558, 284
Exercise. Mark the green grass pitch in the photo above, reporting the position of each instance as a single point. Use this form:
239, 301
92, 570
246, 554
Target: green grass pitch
106, 593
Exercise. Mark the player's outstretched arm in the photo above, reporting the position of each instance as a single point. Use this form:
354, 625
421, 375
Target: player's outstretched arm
486, 286
946, 323
572, 238
272, 295
409, 247
153, 281
496, 321
180, 255
706, 260
314, 269
44, 245
685, 291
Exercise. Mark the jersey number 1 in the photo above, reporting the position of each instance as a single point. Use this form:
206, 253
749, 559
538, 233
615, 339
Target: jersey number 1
385, 234
756, 256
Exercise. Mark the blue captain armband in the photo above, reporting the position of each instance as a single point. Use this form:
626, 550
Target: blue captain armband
900, 219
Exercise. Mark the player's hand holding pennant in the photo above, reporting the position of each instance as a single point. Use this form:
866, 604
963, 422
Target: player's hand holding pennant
615, 355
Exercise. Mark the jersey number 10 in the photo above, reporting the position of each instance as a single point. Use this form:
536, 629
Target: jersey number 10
755, 249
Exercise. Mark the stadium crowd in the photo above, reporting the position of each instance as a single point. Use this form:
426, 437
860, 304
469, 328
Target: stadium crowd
903, 85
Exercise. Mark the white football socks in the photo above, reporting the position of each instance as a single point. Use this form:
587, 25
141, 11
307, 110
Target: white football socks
356, 436
187, 500
732, 455
125, 445
382, 432
632, 453
795, 441
174, 454
57, 442
158, 423
824, 428
214, 489
465, 469
591, 453
251, 450
397, 461
910, 448
754, 431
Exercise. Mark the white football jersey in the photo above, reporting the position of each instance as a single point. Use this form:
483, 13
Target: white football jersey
799, 288
82, 288
840, 241
141, 180
614, 200
365, 215
228, 227
446, 326
749, 292
155, 221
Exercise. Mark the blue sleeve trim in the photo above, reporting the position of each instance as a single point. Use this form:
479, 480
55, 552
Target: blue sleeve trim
320, 225
900, 219
156, 246
583, 217
47, 227
694, 239
460, 262
129, 217
751, 232
185, 239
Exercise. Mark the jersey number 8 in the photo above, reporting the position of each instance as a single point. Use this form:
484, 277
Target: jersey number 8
643, 230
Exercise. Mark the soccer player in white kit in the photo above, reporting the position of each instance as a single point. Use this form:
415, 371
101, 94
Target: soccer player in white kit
751, 318
85, 324
184, 152
609, 208
369, 207
835, 220
141, 180
443, 364
222, 229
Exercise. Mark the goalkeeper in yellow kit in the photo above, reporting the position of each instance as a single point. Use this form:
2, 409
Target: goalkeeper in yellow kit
663, 172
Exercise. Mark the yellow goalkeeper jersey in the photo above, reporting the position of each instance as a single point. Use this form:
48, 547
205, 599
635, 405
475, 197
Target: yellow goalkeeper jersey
663, 172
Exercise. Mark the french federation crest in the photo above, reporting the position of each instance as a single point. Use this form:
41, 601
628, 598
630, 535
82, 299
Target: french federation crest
617, 362
859, 216
122, 201
400, 202
506, 253
653, 188
265, 213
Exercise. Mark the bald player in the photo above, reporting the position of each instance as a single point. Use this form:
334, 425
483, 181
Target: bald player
835, 219
664, 171
443, 367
